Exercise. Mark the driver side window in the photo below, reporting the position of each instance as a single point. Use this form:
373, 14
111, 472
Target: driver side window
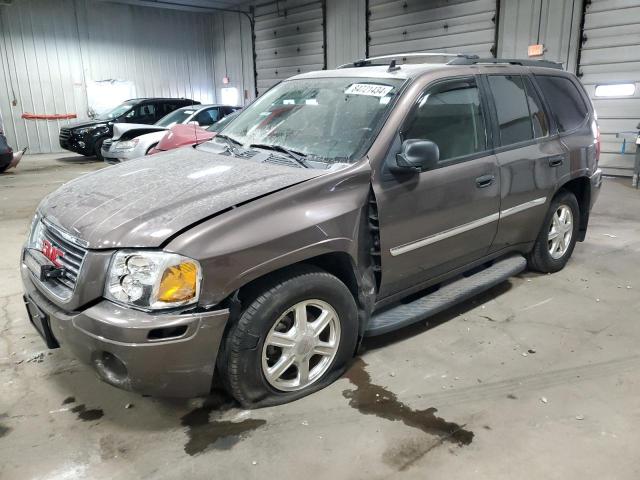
450, 114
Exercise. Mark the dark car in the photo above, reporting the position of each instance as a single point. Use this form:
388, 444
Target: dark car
86, 136
340, 204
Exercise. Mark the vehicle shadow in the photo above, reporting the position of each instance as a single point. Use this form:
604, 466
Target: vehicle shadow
78, 160
374, 343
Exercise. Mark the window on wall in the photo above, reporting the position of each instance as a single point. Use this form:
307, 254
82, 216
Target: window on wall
450, 115
567, 105
512, 108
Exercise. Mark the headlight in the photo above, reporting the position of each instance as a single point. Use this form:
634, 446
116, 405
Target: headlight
126, 144
35, 233
83, 131
153, 280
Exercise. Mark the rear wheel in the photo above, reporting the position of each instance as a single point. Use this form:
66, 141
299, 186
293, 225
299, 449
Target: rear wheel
294, 338
557, 239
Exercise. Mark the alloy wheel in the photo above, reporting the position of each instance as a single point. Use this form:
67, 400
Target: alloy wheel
301, 345
560, 232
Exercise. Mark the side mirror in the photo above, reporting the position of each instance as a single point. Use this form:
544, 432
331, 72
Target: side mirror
417, 156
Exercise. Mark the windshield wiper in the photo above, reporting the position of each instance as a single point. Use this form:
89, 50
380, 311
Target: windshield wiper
298, 157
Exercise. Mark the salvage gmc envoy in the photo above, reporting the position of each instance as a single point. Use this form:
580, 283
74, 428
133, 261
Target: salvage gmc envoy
262, 257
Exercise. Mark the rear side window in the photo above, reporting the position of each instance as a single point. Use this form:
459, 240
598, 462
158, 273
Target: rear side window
539, 118
512, 108
567, 105
450, 115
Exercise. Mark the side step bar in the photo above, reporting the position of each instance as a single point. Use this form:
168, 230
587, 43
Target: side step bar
445, 297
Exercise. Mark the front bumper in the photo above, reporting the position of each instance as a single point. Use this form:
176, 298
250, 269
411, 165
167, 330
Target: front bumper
130, 349
76, 144
111, 155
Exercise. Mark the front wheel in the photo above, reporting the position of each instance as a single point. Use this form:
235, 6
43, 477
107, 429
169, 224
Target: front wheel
293, 339
557, 239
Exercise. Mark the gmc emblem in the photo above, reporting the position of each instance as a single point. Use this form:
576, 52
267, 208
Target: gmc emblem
52, 253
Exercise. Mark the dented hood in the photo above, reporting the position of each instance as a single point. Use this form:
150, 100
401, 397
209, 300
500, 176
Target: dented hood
143, 202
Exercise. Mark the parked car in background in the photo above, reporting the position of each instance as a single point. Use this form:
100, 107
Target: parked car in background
8, 158
184, 135
135, 140
86, 136
340, 204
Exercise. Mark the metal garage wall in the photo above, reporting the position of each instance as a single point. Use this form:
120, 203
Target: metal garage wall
398, 26
51, 48
41, 70
346, 31
289, 40
553, 23
610, 54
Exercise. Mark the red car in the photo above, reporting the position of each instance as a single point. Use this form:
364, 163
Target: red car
189, 134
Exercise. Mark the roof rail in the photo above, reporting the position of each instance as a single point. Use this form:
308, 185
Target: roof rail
510, 61
380, 60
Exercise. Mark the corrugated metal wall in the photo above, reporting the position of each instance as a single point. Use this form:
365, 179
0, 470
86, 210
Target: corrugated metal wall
289, 40
610, 54
554, 23
398, 26
51, 48
346, 31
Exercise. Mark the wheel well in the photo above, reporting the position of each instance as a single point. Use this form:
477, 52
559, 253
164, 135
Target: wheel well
338, 264
581, 188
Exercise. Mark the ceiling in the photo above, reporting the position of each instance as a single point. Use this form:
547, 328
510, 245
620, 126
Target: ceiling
190, 5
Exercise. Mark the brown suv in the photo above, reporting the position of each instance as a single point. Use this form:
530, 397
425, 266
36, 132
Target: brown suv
267, 254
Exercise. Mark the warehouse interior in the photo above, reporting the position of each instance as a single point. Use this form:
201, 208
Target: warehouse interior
536, 377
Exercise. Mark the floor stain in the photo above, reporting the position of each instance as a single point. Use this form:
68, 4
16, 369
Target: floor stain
371, 399
88, 415
4, 430
218, 434
68, 400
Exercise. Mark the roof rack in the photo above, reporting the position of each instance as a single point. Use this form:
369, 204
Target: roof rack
510, 61
380, 60
456, 59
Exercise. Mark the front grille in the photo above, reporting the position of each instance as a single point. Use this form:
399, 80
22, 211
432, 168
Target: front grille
106, 145
65, 134
71, 259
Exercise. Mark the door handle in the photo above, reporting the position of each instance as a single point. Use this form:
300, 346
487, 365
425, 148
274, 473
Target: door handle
484, 181
556, 161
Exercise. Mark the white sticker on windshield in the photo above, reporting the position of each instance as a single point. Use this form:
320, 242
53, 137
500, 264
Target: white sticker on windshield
370, 89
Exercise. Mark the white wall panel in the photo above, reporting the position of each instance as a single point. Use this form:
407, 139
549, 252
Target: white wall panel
346, 31
51, 48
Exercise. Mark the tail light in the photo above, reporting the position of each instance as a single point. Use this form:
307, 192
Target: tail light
596, 139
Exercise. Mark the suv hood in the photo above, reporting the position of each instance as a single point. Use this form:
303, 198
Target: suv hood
143, 202
134, 130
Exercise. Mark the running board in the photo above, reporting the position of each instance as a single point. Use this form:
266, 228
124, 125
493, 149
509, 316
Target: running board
445, 297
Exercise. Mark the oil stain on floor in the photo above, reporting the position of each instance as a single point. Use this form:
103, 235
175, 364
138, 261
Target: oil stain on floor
371, 399
88, 415
218, 434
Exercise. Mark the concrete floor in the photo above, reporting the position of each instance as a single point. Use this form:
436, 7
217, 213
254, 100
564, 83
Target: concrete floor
537, 379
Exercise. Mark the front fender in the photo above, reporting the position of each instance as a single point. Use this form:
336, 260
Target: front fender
322, 215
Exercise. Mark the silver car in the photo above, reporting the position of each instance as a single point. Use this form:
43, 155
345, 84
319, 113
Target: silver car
132, 140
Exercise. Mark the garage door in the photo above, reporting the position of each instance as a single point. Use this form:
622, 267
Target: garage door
289, 40
610, 70
465, 26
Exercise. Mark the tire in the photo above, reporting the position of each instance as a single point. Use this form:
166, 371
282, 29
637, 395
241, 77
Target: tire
247, 353
98, 149
540, 258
